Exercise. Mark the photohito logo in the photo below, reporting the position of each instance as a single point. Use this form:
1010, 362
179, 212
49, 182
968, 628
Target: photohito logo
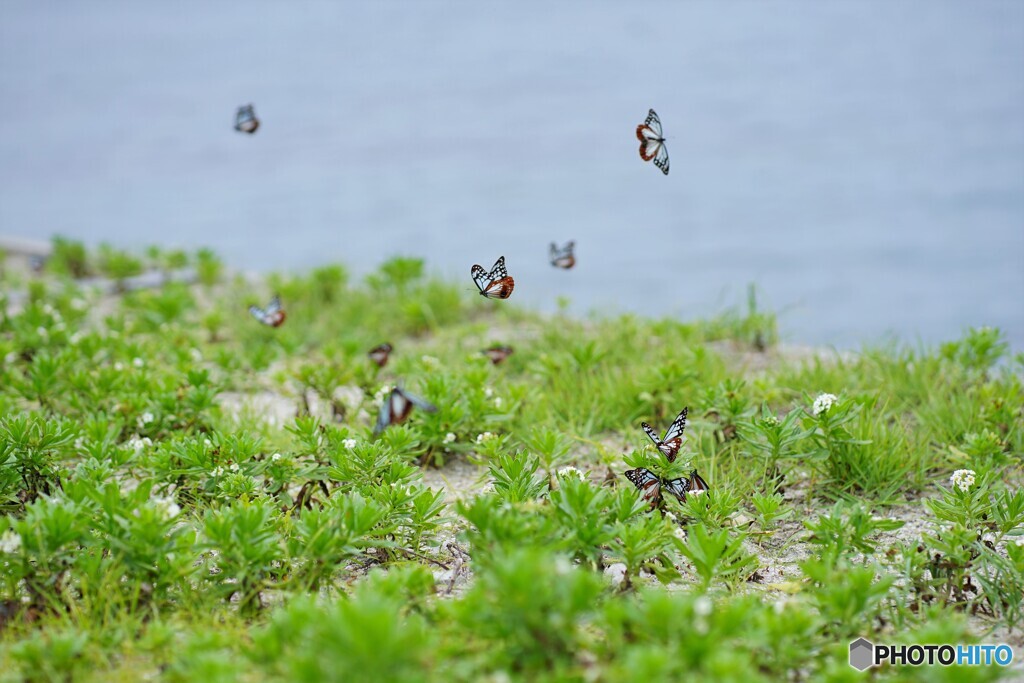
864, 654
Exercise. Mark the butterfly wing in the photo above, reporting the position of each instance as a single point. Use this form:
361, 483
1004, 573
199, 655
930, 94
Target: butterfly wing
414, 400
385, 418
498, 283
274, 306
258, 313
697, 484
654, 123
651, 434
673, 440
497, 354
678, 488
379, 354
661, 158
480, 278
649, 485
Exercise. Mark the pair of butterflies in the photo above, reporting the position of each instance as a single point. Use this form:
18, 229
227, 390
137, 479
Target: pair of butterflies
245, 120
650, 484
652, 141
272, 316
398, 406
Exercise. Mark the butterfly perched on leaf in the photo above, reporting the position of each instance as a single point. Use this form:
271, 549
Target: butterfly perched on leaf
397, 407
245, 120
498, 354
379, 354
652, 141
651, 486
673, 440
562, 258
272, 315
496, 284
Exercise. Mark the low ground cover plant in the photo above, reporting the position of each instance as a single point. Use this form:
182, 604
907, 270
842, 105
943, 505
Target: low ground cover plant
186, 494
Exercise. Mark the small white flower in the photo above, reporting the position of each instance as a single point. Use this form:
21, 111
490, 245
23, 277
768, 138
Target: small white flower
1019, 542
449, 437
275, 457
349, 443
48, 309
10, 358
963, 479
138, 445
10, 542
823, 403
771, 421
196, 355
680, 533
42, 332
217, 471
75, 338
167, 507
207, 443
570, 471
497, 401
235, 467
381, 393
138, 362
562, 565
780, 605
119, 366
488, 392
59, 326
146, 418
486, 436
702, 606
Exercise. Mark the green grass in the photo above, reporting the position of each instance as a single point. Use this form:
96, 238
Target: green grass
152, 527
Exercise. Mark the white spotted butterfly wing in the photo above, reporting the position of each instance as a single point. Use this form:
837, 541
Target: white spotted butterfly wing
648, 483
273, 315
652, 141
496, 284
673, 440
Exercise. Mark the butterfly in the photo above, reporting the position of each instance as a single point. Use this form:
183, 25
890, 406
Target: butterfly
673, 440
498, 354
652, 142
379, 354
397, 407
562, 258
272, 315
246, 121
650, 485
496, 284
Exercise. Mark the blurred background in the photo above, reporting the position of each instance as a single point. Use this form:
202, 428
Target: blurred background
862, 163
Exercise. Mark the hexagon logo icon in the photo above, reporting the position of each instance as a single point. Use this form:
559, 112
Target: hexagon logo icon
862, 654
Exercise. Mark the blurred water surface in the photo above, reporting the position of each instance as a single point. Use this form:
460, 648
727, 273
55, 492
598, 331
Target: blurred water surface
862, 162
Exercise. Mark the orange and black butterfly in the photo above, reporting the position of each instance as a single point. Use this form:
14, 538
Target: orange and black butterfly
397, 407
272, 315
245, 120
650, 485
496, 284
498, 354
379, 354
562, 258
652, 142
673, 440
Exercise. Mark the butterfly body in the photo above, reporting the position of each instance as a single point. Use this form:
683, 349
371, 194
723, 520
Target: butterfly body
272, 316
673, 441
379, 354
245, 120
495, 284
498, 354
564, 257
652, 142
398, 406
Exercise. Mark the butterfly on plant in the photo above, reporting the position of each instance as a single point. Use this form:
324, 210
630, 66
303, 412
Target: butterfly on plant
673, 440
245, 120
497, 354
496, 284
562, 258
651, 485
397, 407
379, 354
273, 315
652, 141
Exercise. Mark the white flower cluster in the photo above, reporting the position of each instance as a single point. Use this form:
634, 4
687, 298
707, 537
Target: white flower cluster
138, 362
486, 436
449, 437
10, 542
381, 393
217, 471
570, 471
235, 467
349, 443
430, 361
146, 418
823, 403
962, 479
167, 507
275, 457
137, 444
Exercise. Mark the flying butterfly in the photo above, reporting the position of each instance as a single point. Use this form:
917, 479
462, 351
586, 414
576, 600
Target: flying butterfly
272, 315
496, 284
245, 120
562, 258
650, 485
379, 354
397, 407
673, 440
652, 141
498, 354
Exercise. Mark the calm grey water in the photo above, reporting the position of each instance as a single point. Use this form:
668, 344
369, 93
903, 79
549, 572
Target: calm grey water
861, 162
